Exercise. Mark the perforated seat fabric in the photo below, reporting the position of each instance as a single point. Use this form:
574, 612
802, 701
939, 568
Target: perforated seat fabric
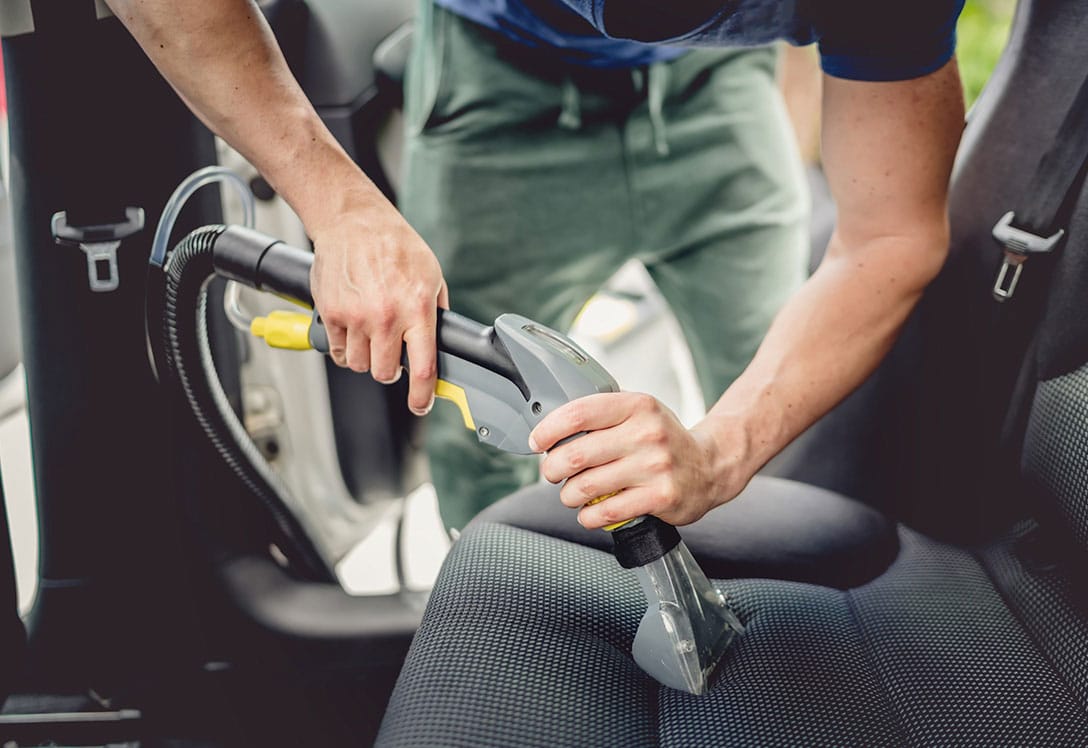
526, 642
1056, 449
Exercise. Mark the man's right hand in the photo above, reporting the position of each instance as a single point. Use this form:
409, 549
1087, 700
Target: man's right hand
377, 286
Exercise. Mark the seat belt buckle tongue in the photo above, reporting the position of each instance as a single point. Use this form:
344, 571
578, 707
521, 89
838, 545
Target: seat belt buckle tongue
99, 243
1019, 245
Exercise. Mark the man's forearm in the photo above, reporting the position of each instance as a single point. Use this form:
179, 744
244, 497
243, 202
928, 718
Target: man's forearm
375, 282
823, 344
888, 150
222, 59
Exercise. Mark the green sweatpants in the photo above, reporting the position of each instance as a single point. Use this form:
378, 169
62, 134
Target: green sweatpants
534, 181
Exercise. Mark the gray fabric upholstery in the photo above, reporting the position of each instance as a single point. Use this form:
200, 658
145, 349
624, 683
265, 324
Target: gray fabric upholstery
1056, 449
775, 529
526, 642
1045, 589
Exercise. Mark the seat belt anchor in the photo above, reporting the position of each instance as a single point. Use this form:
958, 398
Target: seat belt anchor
99, 243
1018, 245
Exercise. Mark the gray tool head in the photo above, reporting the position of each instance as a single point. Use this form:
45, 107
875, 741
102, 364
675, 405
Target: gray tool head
553, 367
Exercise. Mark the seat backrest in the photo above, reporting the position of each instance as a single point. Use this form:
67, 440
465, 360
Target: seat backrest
964, 353
924, 439
12, 635
1054, 455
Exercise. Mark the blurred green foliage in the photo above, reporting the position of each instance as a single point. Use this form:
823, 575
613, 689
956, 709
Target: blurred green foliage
983, 30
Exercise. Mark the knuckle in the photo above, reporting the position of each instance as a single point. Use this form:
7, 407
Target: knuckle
577, 417
670, 496
424, 306
653, 436
334, 315
384, 373
353, 317
588, 490
424, 371
338, 338
608, 514
645, 403
385, 315
576, 459
662, 462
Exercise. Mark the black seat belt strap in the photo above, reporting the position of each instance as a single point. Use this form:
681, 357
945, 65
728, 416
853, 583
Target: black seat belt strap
1031, 229
1006, 369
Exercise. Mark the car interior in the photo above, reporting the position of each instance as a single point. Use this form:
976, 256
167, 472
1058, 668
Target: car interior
910, 572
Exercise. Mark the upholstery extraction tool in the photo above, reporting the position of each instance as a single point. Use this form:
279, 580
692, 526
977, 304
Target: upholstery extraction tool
505, 378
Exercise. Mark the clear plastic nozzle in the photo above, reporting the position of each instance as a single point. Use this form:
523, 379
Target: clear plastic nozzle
687, 626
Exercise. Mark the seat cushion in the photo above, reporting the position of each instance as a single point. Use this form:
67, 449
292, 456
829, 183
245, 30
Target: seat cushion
775, 529
526, 641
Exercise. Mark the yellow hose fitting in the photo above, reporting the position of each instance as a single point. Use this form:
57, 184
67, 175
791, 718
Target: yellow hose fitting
283, 329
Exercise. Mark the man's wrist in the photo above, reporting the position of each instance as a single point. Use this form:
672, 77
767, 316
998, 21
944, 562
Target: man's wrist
744, 429
337, 201
316, 176
729, 452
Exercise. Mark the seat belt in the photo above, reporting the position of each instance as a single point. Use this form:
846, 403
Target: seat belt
1032, 229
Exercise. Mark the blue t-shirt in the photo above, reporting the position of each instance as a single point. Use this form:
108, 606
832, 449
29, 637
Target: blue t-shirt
874, 40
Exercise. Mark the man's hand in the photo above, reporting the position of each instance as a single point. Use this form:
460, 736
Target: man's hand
376, 284
635, 447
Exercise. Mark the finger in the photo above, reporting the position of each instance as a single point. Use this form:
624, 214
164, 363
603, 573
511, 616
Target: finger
628, 504
385, 358
356, 351
422, 367
584, 414
338, 343
600, 481
582, 453
444, 296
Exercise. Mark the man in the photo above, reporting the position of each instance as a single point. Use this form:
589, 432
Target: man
892, 115
542, 156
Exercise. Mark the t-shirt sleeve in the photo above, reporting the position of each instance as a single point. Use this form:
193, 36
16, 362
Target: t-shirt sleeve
885, 40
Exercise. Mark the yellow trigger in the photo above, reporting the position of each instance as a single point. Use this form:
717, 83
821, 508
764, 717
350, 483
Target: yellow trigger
457, 396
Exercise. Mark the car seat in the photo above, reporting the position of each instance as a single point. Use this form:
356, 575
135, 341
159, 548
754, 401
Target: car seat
977, 638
